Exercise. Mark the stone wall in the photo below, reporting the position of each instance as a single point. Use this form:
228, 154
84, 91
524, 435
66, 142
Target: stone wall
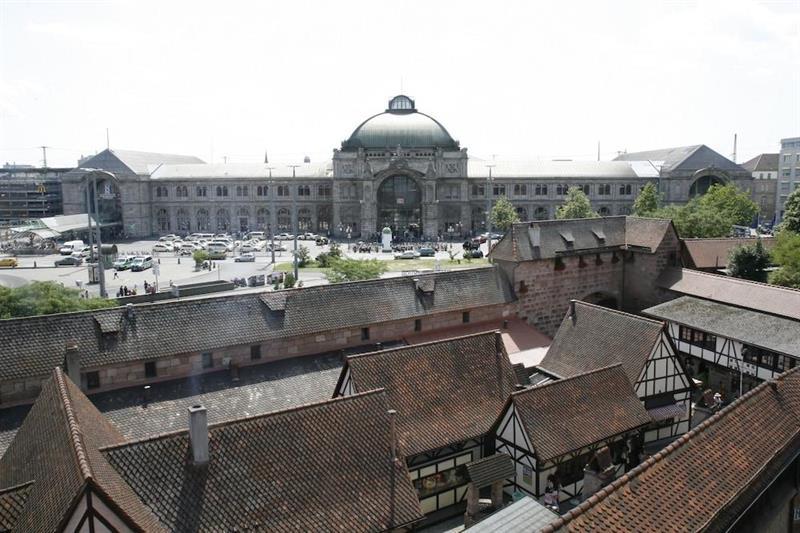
191, 362
642, 271
544, 290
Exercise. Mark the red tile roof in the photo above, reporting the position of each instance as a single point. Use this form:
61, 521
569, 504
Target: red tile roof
569, 414
714, 253
708, 477
57, 448
597, 337
444, 392
320, 467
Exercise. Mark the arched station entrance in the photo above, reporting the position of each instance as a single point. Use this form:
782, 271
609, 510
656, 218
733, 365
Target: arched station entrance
400, 206
703, 183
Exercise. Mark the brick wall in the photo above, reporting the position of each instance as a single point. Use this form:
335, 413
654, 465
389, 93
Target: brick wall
191, 363
544, 292
640, 291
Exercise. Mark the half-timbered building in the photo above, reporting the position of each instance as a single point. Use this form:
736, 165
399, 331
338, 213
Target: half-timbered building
592, 337
447, 395
553, 431
729, 348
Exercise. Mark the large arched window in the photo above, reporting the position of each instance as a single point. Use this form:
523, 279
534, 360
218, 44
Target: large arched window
284, 220
703, 183
540, 213
244, 219
262, 219
182, 220
223, 220
262, 190
604, 211
203, 220
324, 218
162, 220
478, 219
161, 191
222, 190
400, 206
304, 222
522, 213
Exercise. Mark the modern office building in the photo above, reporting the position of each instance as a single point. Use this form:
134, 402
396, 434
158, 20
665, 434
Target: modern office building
28, 193
788, 172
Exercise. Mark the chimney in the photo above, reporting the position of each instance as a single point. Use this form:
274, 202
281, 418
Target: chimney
393, 432
536, 235
72, 361
572, 314
198, 434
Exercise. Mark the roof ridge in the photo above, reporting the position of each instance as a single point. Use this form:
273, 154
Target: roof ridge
76, 435
620, 312
740, 280
565, 380
428, 343
530, 223
231, 421
18, 486
628, 477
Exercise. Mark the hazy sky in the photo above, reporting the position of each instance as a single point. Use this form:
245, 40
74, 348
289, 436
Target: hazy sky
522, 80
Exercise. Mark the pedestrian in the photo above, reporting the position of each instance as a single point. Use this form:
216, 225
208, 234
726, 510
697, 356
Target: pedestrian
145, 286
116, 274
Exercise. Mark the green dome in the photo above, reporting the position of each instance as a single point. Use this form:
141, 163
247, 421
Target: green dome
401, 124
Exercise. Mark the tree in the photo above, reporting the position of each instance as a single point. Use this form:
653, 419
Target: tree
503, 215
695, 220
303, 256
45, 298
200, 257
749, 262
733, 204
576, 205
346, 269
326, 259
288, 280
786, 254
647, 202
791, 213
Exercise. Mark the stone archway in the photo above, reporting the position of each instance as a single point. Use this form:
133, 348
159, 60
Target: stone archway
703, 183
603, 299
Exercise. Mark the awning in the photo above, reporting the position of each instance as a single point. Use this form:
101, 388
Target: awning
64, 223
675, 410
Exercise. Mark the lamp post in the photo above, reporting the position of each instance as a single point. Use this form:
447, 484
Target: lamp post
294, 221
271, 195
91, 180
489, 208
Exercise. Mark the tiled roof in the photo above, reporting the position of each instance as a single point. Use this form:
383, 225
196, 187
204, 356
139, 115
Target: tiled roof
587, 235
708, 477
320, 467
597, 337
714, 253
222, 171
569, 414
774, 333
12, 503
683, 158
763, 163
761, 297
34, 345
489, 469
57, 448
444, 392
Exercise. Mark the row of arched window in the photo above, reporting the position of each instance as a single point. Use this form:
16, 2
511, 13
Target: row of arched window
222, 220
241, 191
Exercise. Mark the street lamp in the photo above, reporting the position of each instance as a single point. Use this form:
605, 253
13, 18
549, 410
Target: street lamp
90, 174
489, 208
271, 194
294, 220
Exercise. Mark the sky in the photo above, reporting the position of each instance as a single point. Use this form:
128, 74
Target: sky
228, 80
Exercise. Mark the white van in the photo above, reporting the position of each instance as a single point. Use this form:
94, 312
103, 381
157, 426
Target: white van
257, 235
142, 263
71, 246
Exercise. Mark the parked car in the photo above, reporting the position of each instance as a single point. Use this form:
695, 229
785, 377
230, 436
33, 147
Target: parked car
308, 236
162, 247
142, 263
427, 251
168, 238
256, 281
70, 260
123, 262
246, 257
474, 254
247, 247
278, 247
8, 262
284, 237
408, 254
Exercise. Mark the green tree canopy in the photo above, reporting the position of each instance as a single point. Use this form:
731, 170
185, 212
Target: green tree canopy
786, 254
791, 213
46, 298
503, 215
346, 269
749, 262
647, 202
732, 203
576, 205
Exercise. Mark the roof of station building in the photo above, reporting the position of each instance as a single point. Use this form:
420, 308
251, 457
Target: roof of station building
400, 125
218, 171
